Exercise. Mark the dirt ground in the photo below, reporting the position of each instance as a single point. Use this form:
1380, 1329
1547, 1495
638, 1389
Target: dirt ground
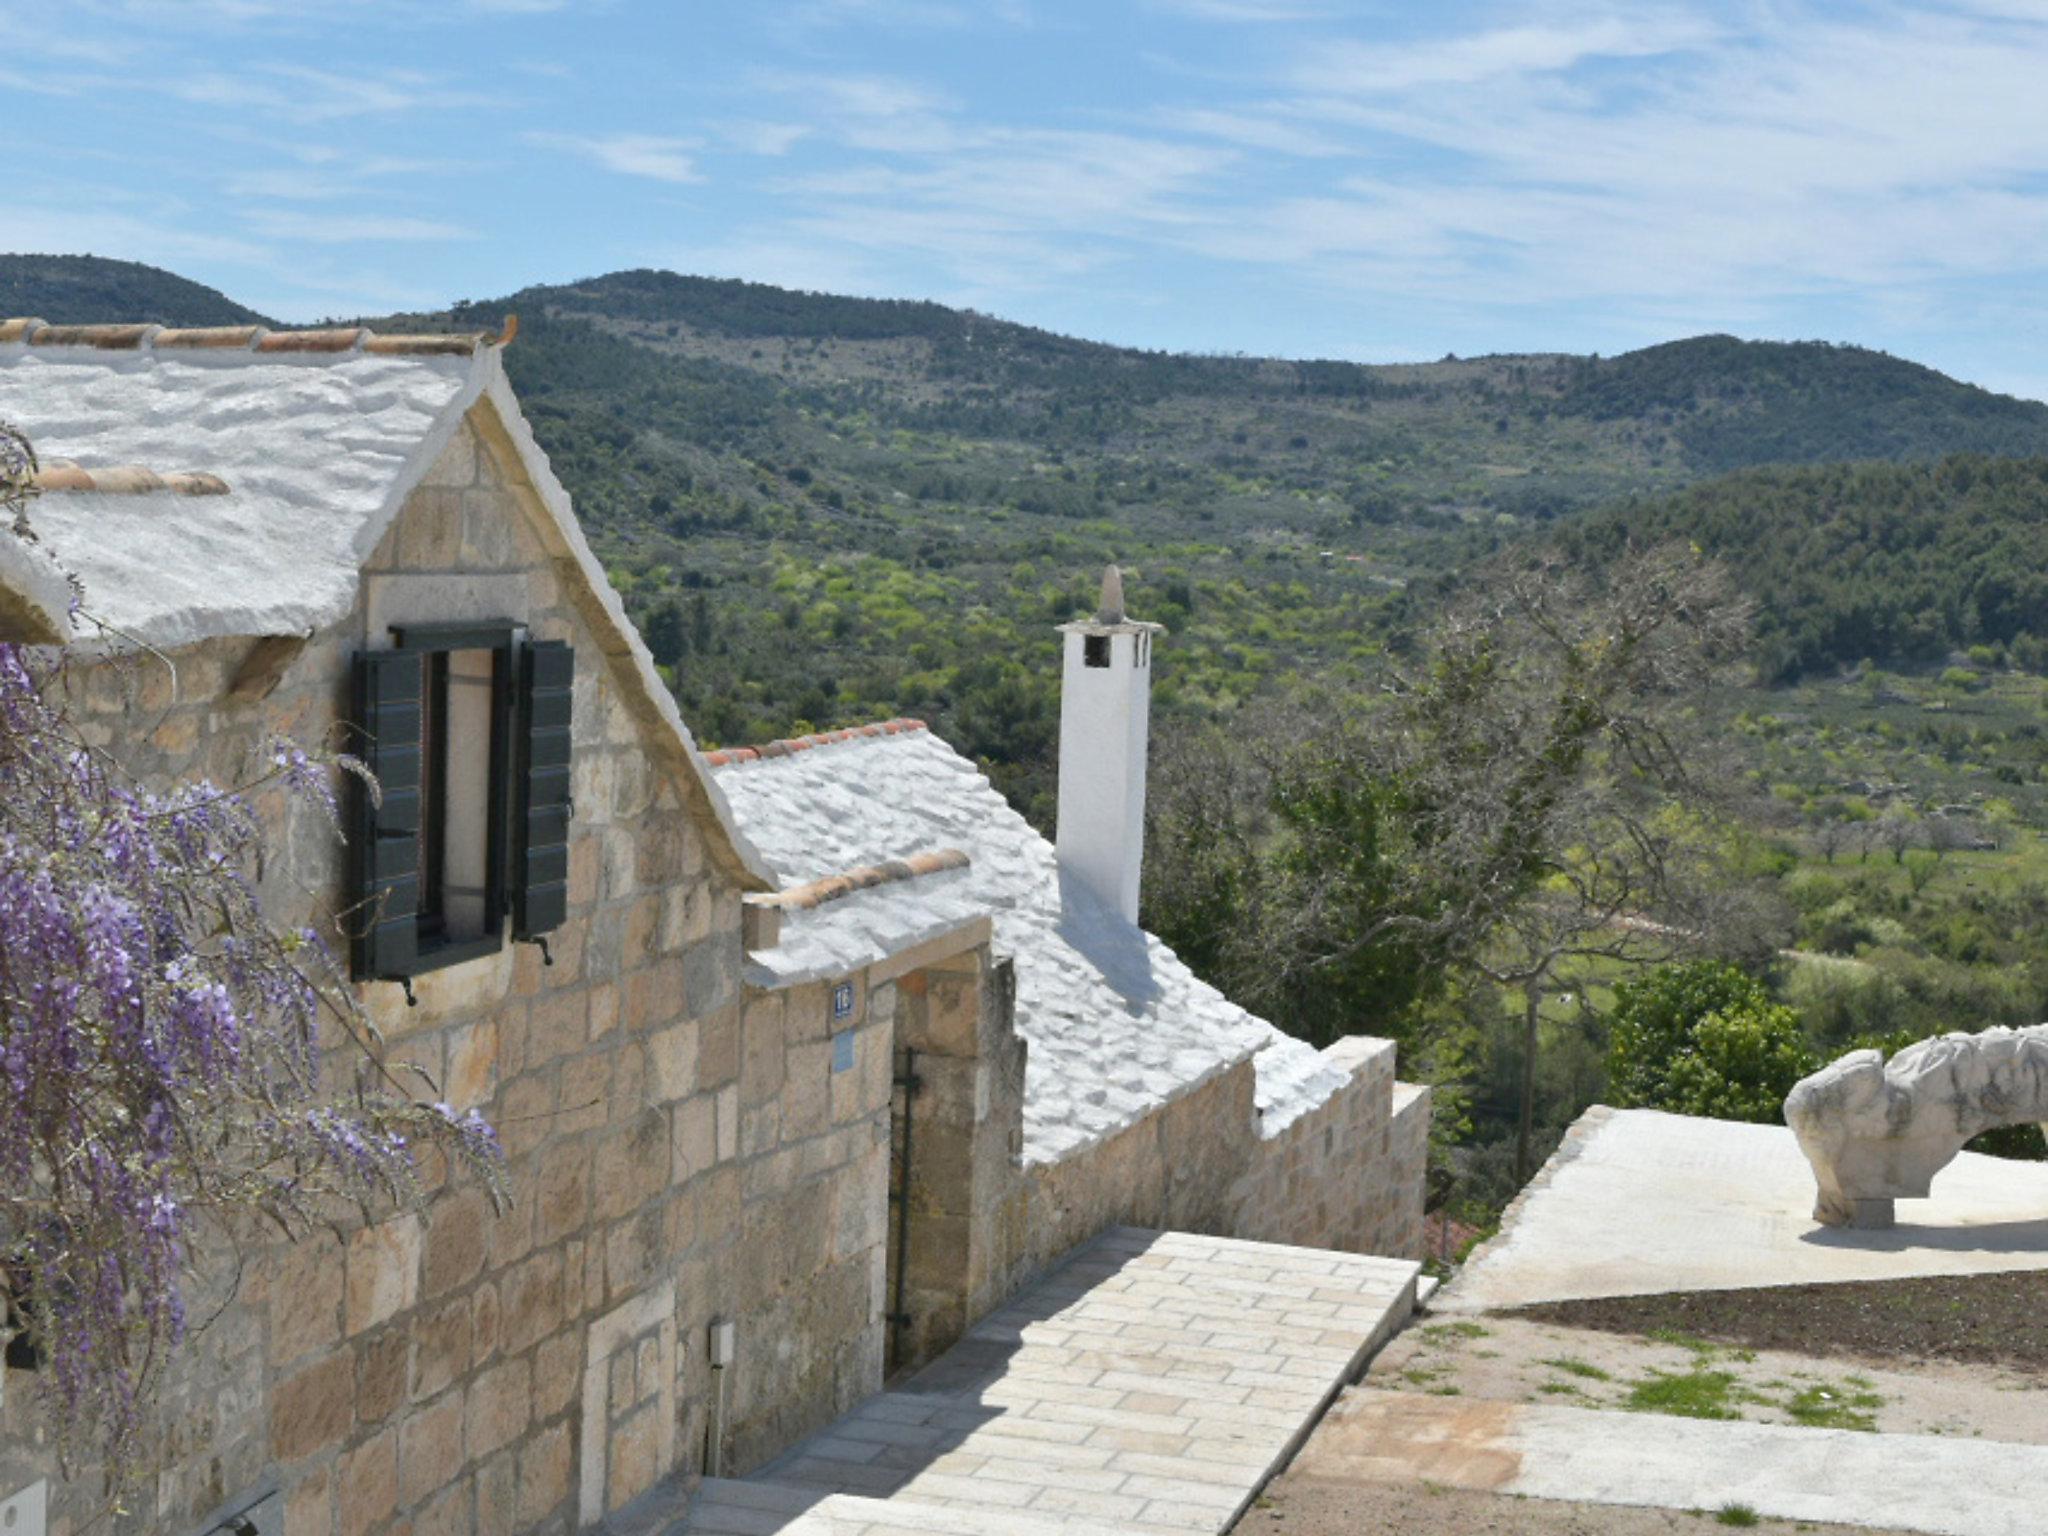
1310, 1507
1999, 1319
1508, 1358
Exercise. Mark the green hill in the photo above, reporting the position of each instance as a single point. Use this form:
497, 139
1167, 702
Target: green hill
85, 290
1895, 562
823, 508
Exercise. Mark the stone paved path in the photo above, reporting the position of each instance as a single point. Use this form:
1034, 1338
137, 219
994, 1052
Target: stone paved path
1151, 1384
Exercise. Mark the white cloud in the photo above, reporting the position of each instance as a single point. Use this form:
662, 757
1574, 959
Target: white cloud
1243, 10
350, 229
758, 138
629, 154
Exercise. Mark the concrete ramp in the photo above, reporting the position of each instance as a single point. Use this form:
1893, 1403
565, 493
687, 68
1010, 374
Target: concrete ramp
1640, 1203
1152, 1383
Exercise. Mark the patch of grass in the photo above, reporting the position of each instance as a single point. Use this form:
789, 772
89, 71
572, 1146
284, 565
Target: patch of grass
1420, 1376
1560, 1389
1821, 1407
1437, 1332
1735, 1514
1572, 1366
1694, 1394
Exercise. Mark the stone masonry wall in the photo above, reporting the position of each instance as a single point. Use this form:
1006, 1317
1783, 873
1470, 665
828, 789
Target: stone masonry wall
456, 1372
1344, 1175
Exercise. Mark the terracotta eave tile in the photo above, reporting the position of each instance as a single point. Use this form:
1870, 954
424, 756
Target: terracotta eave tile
789, 746
426, 346
20, 328
111, 338
816, 893
344, 339
212, 337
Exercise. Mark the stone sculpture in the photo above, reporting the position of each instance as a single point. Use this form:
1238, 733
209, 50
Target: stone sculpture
1878, 1131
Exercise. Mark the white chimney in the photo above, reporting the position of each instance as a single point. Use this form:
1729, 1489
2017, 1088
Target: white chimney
1105, 709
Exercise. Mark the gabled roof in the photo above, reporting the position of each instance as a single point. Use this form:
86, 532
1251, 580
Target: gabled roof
298, 450
1117, 1025
317, 436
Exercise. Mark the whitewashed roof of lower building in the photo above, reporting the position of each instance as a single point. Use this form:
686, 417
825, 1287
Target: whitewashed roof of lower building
1117, 1025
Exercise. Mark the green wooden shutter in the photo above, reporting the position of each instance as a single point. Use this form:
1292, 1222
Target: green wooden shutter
387, 686
540, 858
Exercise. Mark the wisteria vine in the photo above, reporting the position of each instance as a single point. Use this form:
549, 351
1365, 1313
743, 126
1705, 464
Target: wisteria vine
160, 1041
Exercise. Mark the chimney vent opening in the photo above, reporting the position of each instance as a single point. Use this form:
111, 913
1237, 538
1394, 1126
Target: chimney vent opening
1095, 650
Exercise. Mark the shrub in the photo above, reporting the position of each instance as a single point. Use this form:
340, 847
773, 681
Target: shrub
1704, 1039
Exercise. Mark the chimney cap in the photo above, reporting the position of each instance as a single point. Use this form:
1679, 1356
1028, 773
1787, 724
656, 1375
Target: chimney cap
1111, 609
1110, 617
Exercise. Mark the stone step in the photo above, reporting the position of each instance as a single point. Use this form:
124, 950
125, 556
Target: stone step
724, 1507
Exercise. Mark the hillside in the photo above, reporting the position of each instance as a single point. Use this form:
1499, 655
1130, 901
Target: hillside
823, 508
1893, 562
79, 290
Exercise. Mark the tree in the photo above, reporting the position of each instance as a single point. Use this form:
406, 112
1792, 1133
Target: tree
162, 1052
1704, 1039
666, 635
1557, 802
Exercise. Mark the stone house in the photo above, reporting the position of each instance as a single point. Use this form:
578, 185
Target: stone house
803, 1056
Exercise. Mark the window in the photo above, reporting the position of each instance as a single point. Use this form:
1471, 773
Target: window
1095, 650
467, 729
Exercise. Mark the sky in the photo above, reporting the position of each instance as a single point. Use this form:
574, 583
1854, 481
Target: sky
1326, 178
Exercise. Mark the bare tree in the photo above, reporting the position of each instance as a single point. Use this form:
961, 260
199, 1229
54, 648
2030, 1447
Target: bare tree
1554, 794
1830, 836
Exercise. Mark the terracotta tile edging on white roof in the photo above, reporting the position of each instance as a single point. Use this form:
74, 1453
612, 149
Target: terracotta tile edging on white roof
27, 330
816, 893
726, 757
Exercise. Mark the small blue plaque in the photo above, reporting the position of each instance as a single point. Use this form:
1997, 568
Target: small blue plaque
842, 1052
842, 1000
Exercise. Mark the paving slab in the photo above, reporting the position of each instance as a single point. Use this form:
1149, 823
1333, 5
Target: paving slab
1150, 1384
1640, 1203
1930, 1483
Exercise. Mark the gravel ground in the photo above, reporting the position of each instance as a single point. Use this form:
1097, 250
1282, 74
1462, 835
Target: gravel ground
1977, 1319
1509, 1358
1311, 1507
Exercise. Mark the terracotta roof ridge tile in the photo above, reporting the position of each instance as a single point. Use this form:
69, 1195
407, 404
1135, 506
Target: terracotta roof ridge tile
125, 480
334, 340
789, 746
815, 893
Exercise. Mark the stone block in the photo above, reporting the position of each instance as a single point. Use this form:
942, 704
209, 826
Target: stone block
557, 1367
635, 1456
457, 1241
381, 1380
308, 1506
497, 1491
383, 1271
561, 1193
368, 1484
696, 1137
500, 1405
711, 968
718, 1048
430, 1449
672, 1062
444, 1340
305, 1288
532, 1302
544, 1463
313, 1409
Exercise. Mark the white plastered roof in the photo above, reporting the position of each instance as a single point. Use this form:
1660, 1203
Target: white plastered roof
319, 452
1117, 1025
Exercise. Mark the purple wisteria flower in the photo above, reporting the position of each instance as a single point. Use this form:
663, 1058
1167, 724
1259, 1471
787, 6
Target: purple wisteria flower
162, 1054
